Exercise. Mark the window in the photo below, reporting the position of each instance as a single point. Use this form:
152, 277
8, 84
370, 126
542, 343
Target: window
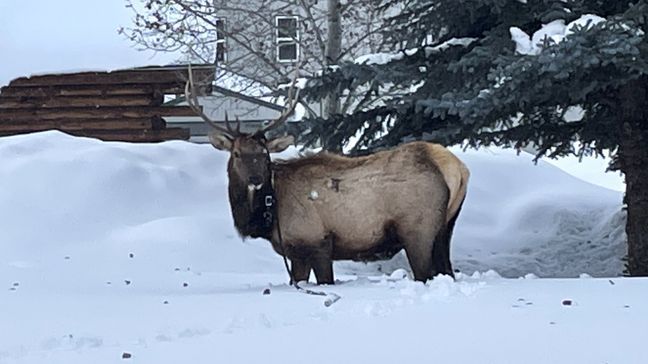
287, 38
221, 44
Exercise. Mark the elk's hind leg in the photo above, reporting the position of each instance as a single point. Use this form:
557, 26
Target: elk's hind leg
441, 253
442, 247
418, 248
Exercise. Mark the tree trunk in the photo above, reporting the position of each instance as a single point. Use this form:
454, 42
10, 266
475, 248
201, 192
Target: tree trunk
333, 52
633, 160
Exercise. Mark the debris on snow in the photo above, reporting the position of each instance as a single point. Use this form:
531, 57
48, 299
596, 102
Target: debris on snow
331, 298
399, 274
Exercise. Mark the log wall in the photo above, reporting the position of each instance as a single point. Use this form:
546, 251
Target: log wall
123, 105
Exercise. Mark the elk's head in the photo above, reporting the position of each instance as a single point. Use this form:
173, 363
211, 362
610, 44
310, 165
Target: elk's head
249, 162
249, 159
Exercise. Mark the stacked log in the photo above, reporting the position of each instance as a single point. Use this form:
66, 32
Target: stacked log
124, 105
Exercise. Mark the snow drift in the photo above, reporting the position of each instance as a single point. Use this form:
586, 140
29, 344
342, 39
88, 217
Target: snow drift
57, 190
114, 250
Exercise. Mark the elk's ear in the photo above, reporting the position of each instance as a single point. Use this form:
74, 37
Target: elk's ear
220, 141
280, 144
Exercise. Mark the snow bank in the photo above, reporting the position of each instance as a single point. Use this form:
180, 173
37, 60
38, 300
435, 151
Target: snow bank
57, 190
110, 250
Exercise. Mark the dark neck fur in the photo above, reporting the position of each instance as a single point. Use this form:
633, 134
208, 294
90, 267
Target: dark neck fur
250, 222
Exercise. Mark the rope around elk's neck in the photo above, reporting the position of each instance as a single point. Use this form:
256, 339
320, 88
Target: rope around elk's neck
331, 297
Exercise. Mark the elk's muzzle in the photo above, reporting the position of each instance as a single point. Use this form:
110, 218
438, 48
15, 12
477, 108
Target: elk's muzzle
252, 189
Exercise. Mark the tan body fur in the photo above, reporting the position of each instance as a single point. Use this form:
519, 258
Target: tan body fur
332, 207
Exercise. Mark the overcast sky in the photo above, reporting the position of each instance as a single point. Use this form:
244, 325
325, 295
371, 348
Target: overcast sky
39, 36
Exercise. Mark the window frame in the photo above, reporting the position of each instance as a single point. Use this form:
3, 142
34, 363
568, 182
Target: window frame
287, 41
222, 29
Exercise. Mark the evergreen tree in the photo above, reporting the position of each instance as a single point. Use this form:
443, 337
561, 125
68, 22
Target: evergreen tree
458, 77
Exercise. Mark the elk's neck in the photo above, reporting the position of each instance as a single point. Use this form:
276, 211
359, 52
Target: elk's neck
251, 214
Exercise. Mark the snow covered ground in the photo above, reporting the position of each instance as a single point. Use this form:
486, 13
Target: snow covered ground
112, 252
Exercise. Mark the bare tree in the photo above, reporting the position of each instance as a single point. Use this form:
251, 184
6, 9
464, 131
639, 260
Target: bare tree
333, 51
257, 39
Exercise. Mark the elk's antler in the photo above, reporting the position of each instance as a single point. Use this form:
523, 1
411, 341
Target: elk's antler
191, 94
293, 98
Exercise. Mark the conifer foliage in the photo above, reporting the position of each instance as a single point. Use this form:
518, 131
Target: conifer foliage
457, 76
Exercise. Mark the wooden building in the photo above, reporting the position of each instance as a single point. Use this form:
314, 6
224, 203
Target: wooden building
123, 105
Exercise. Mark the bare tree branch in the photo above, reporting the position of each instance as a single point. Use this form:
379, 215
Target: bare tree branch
247, 32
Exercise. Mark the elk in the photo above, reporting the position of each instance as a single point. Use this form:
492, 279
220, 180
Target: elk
324, 207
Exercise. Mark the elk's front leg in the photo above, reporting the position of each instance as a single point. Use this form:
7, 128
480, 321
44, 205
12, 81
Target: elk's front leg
299, 269
323, 267
323, 261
